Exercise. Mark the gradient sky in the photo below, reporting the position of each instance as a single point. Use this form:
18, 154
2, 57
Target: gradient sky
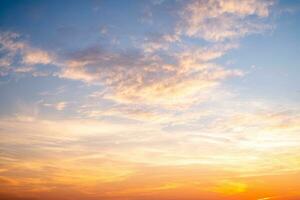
150, 100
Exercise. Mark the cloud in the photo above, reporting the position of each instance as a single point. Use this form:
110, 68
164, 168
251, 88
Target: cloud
149, 79
163, 69
154, 73
157, 116
19, 56
142, 114
176, 91
57, 106
36, 56
218, 20
84, 154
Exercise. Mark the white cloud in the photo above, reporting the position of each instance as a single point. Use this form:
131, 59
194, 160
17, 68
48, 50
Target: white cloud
218, 20
36, 56
12, 46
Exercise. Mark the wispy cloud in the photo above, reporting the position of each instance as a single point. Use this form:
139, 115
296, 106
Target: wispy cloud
19, 56
220, 20
156, 74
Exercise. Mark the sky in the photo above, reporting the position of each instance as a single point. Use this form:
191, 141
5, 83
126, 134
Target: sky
149, 100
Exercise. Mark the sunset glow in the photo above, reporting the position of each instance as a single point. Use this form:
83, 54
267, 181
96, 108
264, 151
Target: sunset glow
150, 100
